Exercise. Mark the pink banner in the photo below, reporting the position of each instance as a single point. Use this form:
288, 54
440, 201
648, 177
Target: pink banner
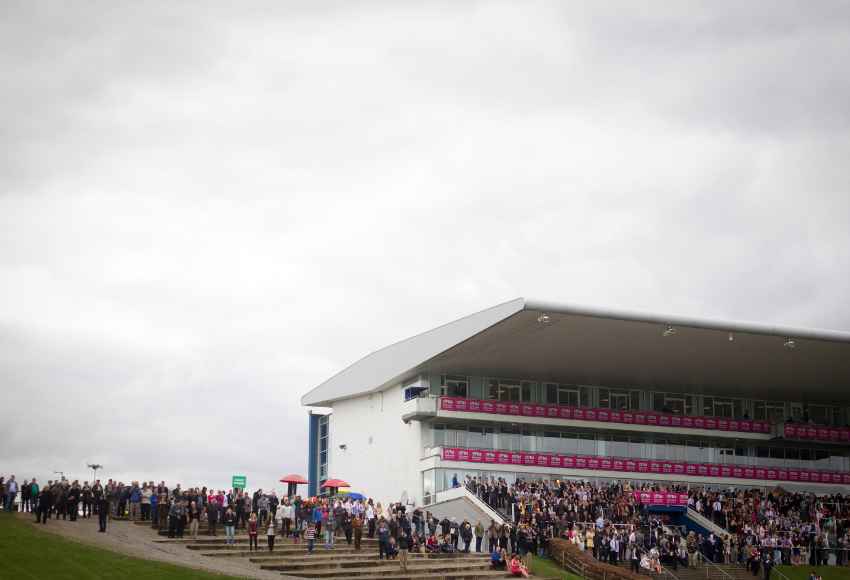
661, 498
790, 430
641, 466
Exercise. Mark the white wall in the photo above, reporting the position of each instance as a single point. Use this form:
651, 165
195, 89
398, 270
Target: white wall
382, 455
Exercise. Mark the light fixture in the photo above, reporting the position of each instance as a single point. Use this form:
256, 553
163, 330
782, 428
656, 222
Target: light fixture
544, 318
789, 342
731, 337
669, 331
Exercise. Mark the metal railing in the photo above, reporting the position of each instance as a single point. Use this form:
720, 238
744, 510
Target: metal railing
712, 567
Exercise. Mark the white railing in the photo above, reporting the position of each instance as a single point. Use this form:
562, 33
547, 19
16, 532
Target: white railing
463, 493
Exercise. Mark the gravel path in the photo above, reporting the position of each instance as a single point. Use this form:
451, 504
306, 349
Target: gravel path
138, 541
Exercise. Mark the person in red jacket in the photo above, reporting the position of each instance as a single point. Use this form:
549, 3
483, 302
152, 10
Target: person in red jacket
252, 532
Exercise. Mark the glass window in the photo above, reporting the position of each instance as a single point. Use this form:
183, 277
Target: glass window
455, 385
773, 411
551, 393
604, 398
622, 400
527, 391
805, 454
820, 415
493, 389
584, 393
508, 390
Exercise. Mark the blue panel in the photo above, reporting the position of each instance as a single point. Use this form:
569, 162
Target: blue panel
313, 455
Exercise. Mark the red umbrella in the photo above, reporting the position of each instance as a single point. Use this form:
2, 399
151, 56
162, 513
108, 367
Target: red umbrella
336, 483
292, 480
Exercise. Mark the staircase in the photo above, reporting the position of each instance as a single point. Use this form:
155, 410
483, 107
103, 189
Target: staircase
342, 561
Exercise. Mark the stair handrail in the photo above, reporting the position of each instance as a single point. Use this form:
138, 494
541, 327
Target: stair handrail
778, 571
667, 570
708, 561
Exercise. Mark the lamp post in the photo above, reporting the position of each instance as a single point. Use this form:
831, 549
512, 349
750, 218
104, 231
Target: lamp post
94, 467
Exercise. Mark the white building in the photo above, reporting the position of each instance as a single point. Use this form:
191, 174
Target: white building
548, 390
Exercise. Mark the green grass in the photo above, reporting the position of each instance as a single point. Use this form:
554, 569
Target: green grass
802, 572
28, 552
548, 568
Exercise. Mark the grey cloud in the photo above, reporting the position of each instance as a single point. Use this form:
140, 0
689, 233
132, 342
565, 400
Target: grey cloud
204, 213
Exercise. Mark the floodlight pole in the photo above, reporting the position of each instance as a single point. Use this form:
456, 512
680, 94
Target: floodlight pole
94, 467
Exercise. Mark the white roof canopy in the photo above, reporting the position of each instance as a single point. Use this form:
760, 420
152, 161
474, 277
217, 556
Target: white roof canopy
581, 345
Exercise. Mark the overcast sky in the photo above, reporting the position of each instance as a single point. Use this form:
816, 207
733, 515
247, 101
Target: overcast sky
208, 209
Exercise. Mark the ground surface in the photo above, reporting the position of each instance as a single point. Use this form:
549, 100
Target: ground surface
63, 550
549, 569
802, 572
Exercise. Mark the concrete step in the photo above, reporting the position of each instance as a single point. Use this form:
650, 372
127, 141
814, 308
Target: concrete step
346, 563
414, 568
332, 558
462, 575
243, 552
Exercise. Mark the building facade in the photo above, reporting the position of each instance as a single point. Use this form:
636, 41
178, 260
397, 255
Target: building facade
530, 389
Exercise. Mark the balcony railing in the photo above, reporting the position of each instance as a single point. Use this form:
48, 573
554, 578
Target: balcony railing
637, 418
644, 468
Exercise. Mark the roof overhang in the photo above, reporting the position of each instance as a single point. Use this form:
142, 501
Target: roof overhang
582, 345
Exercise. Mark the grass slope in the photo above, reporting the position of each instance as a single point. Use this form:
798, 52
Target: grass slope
547, 568
802, 572
29, 553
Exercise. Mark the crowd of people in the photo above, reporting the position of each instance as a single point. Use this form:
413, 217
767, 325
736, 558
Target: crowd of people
760, 528
793, 528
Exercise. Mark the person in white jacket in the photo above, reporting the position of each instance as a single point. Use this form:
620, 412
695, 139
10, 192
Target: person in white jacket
283, 517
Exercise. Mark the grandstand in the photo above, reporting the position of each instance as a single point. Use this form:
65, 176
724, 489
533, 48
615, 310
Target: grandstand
543, 391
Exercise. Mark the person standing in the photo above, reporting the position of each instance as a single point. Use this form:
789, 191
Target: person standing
97, 493
45, 502
357, 527
173, 516
270, 534
479, 536
135, 498
403, 547
370, 518
310, 536
146, 502
34, 493
11, 492
286, 519
212, 515
25, 496
72, 502
383, 538
229, 521
240, 509
102, 511
252, 532
194, 519
86, 496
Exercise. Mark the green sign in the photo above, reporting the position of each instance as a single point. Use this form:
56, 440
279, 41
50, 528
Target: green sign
239, 482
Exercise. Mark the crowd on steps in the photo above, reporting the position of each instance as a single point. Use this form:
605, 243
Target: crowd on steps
760, 529
796, 528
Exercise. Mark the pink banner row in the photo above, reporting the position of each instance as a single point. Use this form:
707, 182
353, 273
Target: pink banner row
671, 498
816, 433
642, 466
605, 415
